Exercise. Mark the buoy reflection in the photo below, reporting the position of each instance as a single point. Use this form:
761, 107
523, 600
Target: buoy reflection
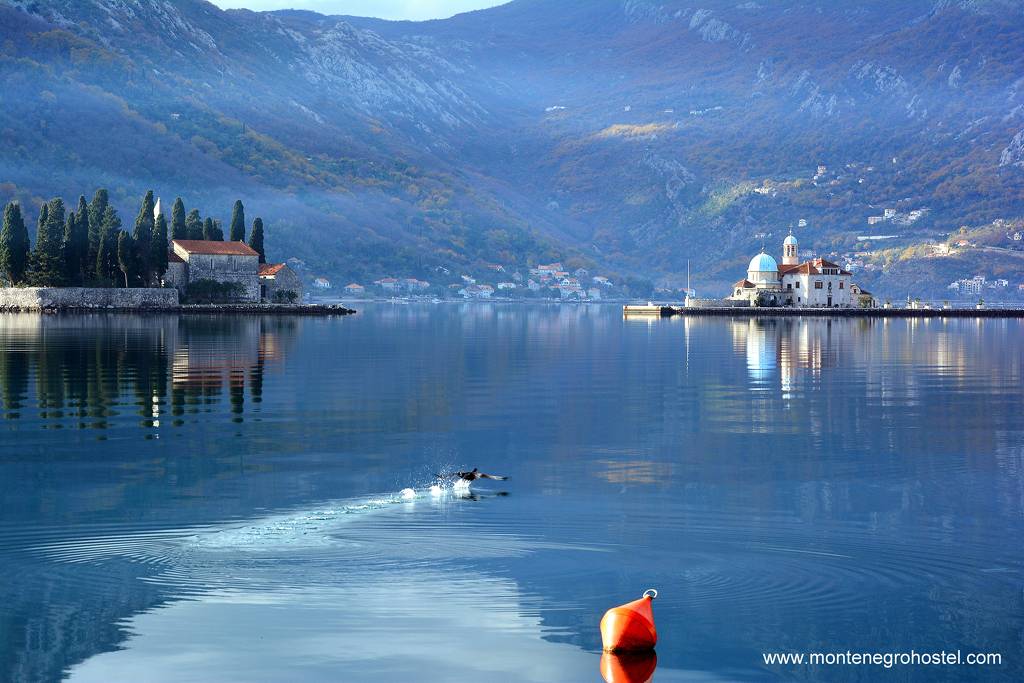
629, 667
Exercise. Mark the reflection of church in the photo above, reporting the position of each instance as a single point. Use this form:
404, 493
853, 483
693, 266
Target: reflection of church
816, 283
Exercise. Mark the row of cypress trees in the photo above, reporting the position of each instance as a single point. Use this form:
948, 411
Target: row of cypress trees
87, 245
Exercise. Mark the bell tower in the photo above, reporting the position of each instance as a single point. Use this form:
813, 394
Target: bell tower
790, 249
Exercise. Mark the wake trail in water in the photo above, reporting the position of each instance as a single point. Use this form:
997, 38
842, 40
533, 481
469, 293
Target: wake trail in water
294, 530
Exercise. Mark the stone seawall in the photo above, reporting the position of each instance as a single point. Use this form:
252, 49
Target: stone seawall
796, 312
716, 303
82, 298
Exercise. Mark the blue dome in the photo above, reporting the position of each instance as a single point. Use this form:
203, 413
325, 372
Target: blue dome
763, 263
790, 240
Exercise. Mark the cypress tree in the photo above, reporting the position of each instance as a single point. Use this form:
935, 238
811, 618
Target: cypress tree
47, 259
106, 256
97, 208
102, 257
55, 219
158, 248
69, 251
256, 238
179, 227
126, 248
212, 232
194, 225
44, 213
143, 235
237, 233
83, 237
14, 245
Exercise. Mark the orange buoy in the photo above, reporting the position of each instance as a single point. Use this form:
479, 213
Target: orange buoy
630, 627
629, 667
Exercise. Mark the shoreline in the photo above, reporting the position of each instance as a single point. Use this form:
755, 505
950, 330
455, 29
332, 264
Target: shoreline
757, 312
193, 309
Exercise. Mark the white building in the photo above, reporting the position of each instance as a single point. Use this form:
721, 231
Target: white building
477, 291
813, 283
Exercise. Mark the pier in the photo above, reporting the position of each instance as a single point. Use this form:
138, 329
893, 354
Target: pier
670, 310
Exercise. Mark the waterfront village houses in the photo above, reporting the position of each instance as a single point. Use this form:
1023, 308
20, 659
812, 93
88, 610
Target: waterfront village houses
814, 283
192, 260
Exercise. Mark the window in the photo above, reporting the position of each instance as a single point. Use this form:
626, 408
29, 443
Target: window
841, 285
798, 284
798, 299
789, 285
817, 284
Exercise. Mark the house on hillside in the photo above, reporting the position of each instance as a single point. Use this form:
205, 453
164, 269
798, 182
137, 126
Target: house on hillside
279, 283
477, 292
355, 289
224, 262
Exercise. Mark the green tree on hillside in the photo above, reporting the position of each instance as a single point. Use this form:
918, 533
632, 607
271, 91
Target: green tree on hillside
179, 226
158, 248
237, 233
256, 238
97, 208
194, 225
14, 245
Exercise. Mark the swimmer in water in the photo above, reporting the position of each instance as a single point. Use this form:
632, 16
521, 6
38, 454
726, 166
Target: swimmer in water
470, 476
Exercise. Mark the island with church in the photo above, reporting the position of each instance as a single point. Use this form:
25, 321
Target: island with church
816, 283
813, 287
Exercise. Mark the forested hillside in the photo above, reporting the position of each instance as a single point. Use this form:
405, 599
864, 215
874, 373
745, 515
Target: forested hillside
624, 135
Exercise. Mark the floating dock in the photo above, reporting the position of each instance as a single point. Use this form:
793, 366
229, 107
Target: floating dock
656, 310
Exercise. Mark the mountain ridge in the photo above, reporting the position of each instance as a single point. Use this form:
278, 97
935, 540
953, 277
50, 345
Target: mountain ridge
632, 136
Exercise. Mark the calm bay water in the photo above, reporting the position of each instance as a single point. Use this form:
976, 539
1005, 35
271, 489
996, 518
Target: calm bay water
198, 499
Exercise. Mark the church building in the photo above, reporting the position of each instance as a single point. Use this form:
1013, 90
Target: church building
816, 283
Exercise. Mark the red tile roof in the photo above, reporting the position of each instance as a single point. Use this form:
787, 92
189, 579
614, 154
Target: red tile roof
743, 284
213, 248
811, 268
268, 269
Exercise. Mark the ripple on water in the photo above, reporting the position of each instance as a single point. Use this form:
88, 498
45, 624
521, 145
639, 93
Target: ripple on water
309, 545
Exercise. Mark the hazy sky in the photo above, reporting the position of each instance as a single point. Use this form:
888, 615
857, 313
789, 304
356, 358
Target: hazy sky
385, 9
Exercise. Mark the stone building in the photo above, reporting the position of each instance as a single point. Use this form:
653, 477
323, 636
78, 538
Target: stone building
276, 280
192, 260
815, 283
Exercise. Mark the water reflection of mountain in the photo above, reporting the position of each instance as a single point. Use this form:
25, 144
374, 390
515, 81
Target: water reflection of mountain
87, 371
751, 468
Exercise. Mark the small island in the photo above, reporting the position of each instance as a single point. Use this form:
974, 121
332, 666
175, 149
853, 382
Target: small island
83, 259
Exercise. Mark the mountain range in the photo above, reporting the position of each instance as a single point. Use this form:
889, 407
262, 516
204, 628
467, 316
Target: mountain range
632, 137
